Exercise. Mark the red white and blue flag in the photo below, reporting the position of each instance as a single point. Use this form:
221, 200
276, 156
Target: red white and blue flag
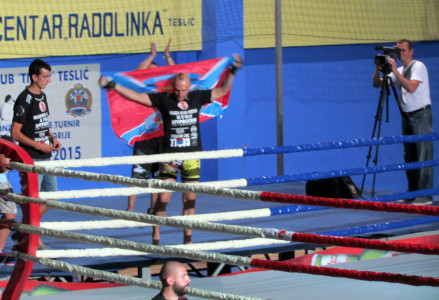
133, 122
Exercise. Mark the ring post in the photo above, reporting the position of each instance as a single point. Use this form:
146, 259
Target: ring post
31, 216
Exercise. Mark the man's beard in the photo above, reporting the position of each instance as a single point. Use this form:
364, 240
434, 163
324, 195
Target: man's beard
179, 290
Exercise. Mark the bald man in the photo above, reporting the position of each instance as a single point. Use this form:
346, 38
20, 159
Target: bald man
175, 281
180, 113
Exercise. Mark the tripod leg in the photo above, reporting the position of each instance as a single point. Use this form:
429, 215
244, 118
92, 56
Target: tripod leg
376, 133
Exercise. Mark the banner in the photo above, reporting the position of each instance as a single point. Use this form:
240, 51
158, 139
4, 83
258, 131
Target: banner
337, 22
134, 122
87, 27
74, 100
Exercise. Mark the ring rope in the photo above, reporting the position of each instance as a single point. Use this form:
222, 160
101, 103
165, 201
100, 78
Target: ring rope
234, 244
343, 144
353, 274
233, 259
99, 177
156, 220
206, 246
404, 195
108, 192
93, 193
256, 213
343, 172
118, 179
350, 204
125, 279
179, 223
209, 217
353, 231
352, 242
143, 159
295, 199
238, 194
136, 246
250, 231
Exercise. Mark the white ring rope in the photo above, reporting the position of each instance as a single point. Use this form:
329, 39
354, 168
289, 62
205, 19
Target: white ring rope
141, 159
109, 192
125, 279
154, 183
156, 220
122, 180
207, 246
125, 223
116, 179
93, 193
233, 260
209, 217
206, 190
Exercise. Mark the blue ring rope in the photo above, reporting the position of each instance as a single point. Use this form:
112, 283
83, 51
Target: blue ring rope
338, 173
343, 144
379, 227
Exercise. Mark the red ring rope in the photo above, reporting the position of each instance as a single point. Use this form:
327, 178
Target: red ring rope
350, 204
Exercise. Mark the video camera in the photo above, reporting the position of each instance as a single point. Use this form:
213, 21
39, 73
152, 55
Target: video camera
384, 60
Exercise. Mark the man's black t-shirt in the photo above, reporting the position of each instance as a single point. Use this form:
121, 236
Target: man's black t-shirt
32, 111
181, 122
159, 296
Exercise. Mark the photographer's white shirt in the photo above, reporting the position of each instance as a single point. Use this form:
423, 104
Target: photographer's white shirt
421, 97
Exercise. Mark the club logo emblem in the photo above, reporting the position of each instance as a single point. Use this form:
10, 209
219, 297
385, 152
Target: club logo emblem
78, 101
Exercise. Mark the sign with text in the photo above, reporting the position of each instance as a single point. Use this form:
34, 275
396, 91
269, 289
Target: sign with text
74, 100
83, 27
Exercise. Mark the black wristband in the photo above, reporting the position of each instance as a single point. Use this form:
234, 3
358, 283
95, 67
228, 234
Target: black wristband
108, 83
233, 70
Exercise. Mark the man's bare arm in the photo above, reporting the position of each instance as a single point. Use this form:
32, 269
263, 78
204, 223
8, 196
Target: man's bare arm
227, 84
377, 81
147, 62
141, 98
168, 57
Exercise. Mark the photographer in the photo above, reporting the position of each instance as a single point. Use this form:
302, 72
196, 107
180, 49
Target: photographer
412, 81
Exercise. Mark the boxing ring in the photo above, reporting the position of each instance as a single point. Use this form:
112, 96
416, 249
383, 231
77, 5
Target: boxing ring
234, 220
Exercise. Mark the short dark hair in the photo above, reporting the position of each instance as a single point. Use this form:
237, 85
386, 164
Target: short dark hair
7, 98
409, 43
164, 273
36, 66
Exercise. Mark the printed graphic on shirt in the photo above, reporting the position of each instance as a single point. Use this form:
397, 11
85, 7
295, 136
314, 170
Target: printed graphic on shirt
184, 132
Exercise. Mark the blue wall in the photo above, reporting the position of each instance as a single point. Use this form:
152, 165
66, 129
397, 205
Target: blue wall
328, 96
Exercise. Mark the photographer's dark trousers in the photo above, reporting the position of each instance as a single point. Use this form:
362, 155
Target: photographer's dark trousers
418, 122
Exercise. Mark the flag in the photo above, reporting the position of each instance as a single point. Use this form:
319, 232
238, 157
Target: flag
133, 122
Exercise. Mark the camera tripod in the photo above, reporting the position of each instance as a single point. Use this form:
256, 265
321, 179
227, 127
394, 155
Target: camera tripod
376, 133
